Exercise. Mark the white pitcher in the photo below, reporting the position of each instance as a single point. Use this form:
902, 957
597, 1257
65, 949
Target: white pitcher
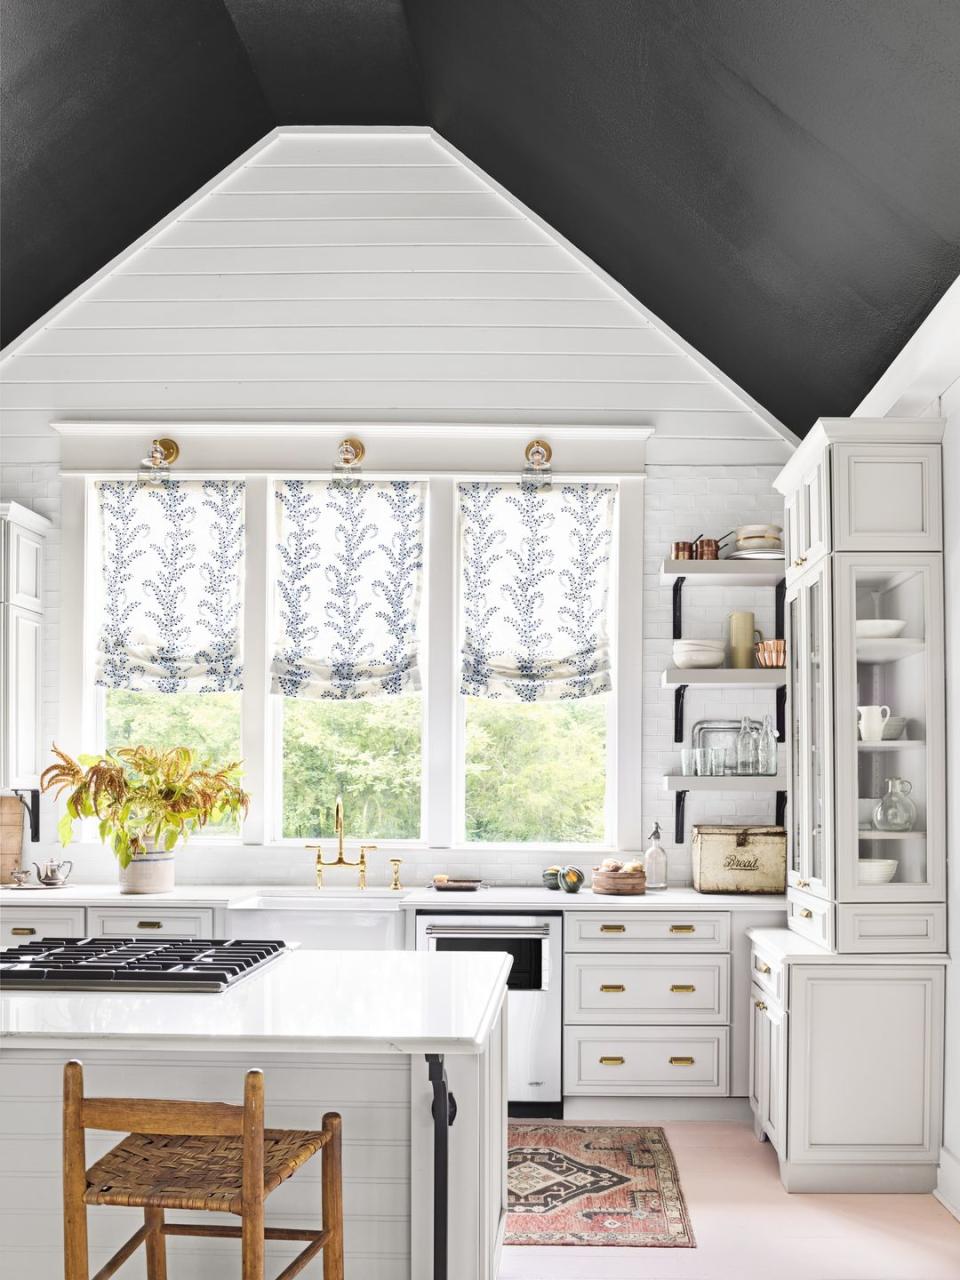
872, 720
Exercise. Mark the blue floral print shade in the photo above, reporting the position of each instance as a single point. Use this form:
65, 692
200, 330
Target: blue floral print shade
347, 587
535, 589
171, 617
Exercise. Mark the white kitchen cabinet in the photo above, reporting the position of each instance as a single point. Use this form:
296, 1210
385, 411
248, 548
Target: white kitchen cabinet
646, 989
807, 515
846, 1074
19, 925
148, 922
22, 534
865, 638
678, 1062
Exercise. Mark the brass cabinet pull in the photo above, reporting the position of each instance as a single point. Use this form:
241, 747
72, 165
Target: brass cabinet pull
682, 986
149, 924
760, 1005
681, 1062
613, 928
762, 967
683, 928
22, 931
612, 1061
805, 913
803, 884
612, 986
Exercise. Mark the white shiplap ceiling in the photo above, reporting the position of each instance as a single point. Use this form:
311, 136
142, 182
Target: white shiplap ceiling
338, 275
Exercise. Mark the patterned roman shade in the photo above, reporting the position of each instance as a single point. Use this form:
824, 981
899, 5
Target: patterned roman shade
171, 607
347, 586
535, 586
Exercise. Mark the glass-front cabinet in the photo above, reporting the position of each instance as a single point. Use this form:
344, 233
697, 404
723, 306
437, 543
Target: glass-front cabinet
810, 714
889, 730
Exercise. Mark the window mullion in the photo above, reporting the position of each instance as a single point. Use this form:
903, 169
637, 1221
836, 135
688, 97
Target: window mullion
255, 726
628, 683
438, 748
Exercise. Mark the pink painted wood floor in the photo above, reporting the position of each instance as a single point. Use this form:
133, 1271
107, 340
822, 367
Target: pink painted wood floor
748, 1228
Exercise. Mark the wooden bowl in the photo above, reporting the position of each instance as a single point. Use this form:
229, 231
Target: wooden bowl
622, 882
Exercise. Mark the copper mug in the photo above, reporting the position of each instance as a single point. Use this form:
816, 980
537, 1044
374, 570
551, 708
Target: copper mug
682, 551
706, 549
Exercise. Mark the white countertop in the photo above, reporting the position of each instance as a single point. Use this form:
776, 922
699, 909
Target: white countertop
521, 898
405, 1002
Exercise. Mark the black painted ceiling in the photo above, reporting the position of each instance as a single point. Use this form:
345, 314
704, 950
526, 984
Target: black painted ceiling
779, 181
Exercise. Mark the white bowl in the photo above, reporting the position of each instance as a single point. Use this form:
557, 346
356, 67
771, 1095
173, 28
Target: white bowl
698, 653
880, 628
758, 531
894, 728
876, 870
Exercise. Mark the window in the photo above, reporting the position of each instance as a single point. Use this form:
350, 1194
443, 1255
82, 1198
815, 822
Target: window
442, 653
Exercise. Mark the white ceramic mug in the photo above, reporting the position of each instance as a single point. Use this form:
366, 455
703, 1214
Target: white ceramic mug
872, 720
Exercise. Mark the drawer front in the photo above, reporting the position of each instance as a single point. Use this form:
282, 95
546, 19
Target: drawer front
767, 973
647, 931
29, 924
148, 922
646, 1061
655, 989
812, 917
891, 927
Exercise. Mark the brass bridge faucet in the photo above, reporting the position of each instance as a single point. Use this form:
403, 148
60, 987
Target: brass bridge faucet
340, 860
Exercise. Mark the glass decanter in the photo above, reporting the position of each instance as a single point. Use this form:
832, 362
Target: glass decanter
896, 811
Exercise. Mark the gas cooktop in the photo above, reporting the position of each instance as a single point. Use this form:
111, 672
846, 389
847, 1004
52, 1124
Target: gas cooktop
133, 964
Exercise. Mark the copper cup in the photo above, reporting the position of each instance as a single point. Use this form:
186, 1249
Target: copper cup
707, 549
771, 653
682, 551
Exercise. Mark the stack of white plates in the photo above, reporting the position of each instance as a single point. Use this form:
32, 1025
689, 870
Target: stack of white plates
759, 537
698, 653
876, 870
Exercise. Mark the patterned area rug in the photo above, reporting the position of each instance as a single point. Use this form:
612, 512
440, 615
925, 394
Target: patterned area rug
594, 1185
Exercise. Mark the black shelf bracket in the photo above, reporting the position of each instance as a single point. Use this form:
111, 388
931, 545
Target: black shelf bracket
678, 608
32, 807
678, 696
781, 809
444, 1110
679, 804
781, 713
779, 603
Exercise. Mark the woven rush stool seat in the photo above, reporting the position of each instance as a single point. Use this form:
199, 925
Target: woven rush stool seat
187, 1171
211, 1156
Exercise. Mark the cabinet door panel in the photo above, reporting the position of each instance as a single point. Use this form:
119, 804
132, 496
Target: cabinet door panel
22, 665
887, 497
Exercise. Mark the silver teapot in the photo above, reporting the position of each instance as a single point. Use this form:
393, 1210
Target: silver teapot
52, 872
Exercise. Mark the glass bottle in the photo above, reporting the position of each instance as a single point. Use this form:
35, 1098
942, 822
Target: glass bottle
767, 748
746, 748
896, 811
655, 861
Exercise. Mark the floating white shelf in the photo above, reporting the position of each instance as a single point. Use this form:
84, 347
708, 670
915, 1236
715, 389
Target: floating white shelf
866, 833
730, 782
888, 650
892, 744
725, 677
717, 573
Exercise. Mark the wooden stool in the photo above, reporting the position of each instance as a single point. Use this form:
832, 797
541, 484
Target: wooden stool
193, 1155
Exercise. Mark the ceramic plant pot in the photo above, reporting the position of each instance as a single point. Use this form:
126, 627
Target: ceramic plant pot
150, 872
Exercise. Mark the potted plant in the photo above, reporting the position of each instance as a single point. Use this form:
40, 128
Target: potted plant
146, 801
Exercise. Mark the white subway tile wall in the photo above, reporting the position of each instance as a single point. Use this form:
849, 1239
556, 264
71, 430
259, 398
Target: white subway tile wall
680, 502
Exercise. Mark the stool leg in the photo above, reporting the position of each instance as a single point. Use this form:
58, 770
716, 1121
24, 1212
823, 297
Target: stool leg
76, 1263
252, 1194
156, 1245
332, 1191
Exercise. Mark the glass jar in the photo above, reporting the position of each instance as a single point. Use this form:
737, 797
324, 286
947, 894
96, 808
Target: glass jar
896, 811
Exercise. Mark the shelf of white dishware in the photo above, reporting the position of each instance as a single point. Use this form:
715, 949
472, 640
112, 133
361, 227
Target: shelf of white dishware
728, 782
892, 744
726, 573
867, 833
892, 650
725, 677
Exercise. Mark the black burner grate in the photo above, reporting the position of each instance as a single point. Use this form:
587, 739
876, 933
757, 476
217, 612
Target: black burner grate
135, 964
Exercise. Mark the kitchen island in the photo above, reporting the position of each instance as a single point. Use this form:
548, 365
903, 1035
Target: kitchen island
355, 1032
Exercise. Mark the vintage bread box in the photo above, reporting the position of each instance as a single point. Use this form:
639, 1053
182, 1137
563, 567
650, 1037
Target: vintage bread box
739, 859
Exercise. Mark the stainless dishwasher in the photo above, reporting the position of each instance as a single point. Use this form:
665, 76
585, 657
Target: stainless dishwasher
534, 1000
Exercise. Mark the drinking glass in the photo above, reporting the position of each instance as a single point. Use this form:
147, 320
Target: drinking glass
718, 759
688, 762
704, 761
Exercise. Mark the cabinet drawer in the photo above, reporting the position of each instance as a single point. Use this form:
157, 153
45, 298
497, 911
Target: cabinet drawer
147, 922
646, 1061
647, 931
891, 926
30, 924
656, 988
812, 917
767, 973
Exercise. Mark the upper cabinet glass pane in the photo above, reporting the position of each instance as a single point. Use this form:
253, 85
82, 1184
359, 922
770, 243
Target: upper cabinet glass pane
891, 714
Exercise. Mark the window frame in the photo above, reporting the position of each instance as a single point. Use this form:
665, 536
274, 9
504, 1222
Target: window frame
443, 735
